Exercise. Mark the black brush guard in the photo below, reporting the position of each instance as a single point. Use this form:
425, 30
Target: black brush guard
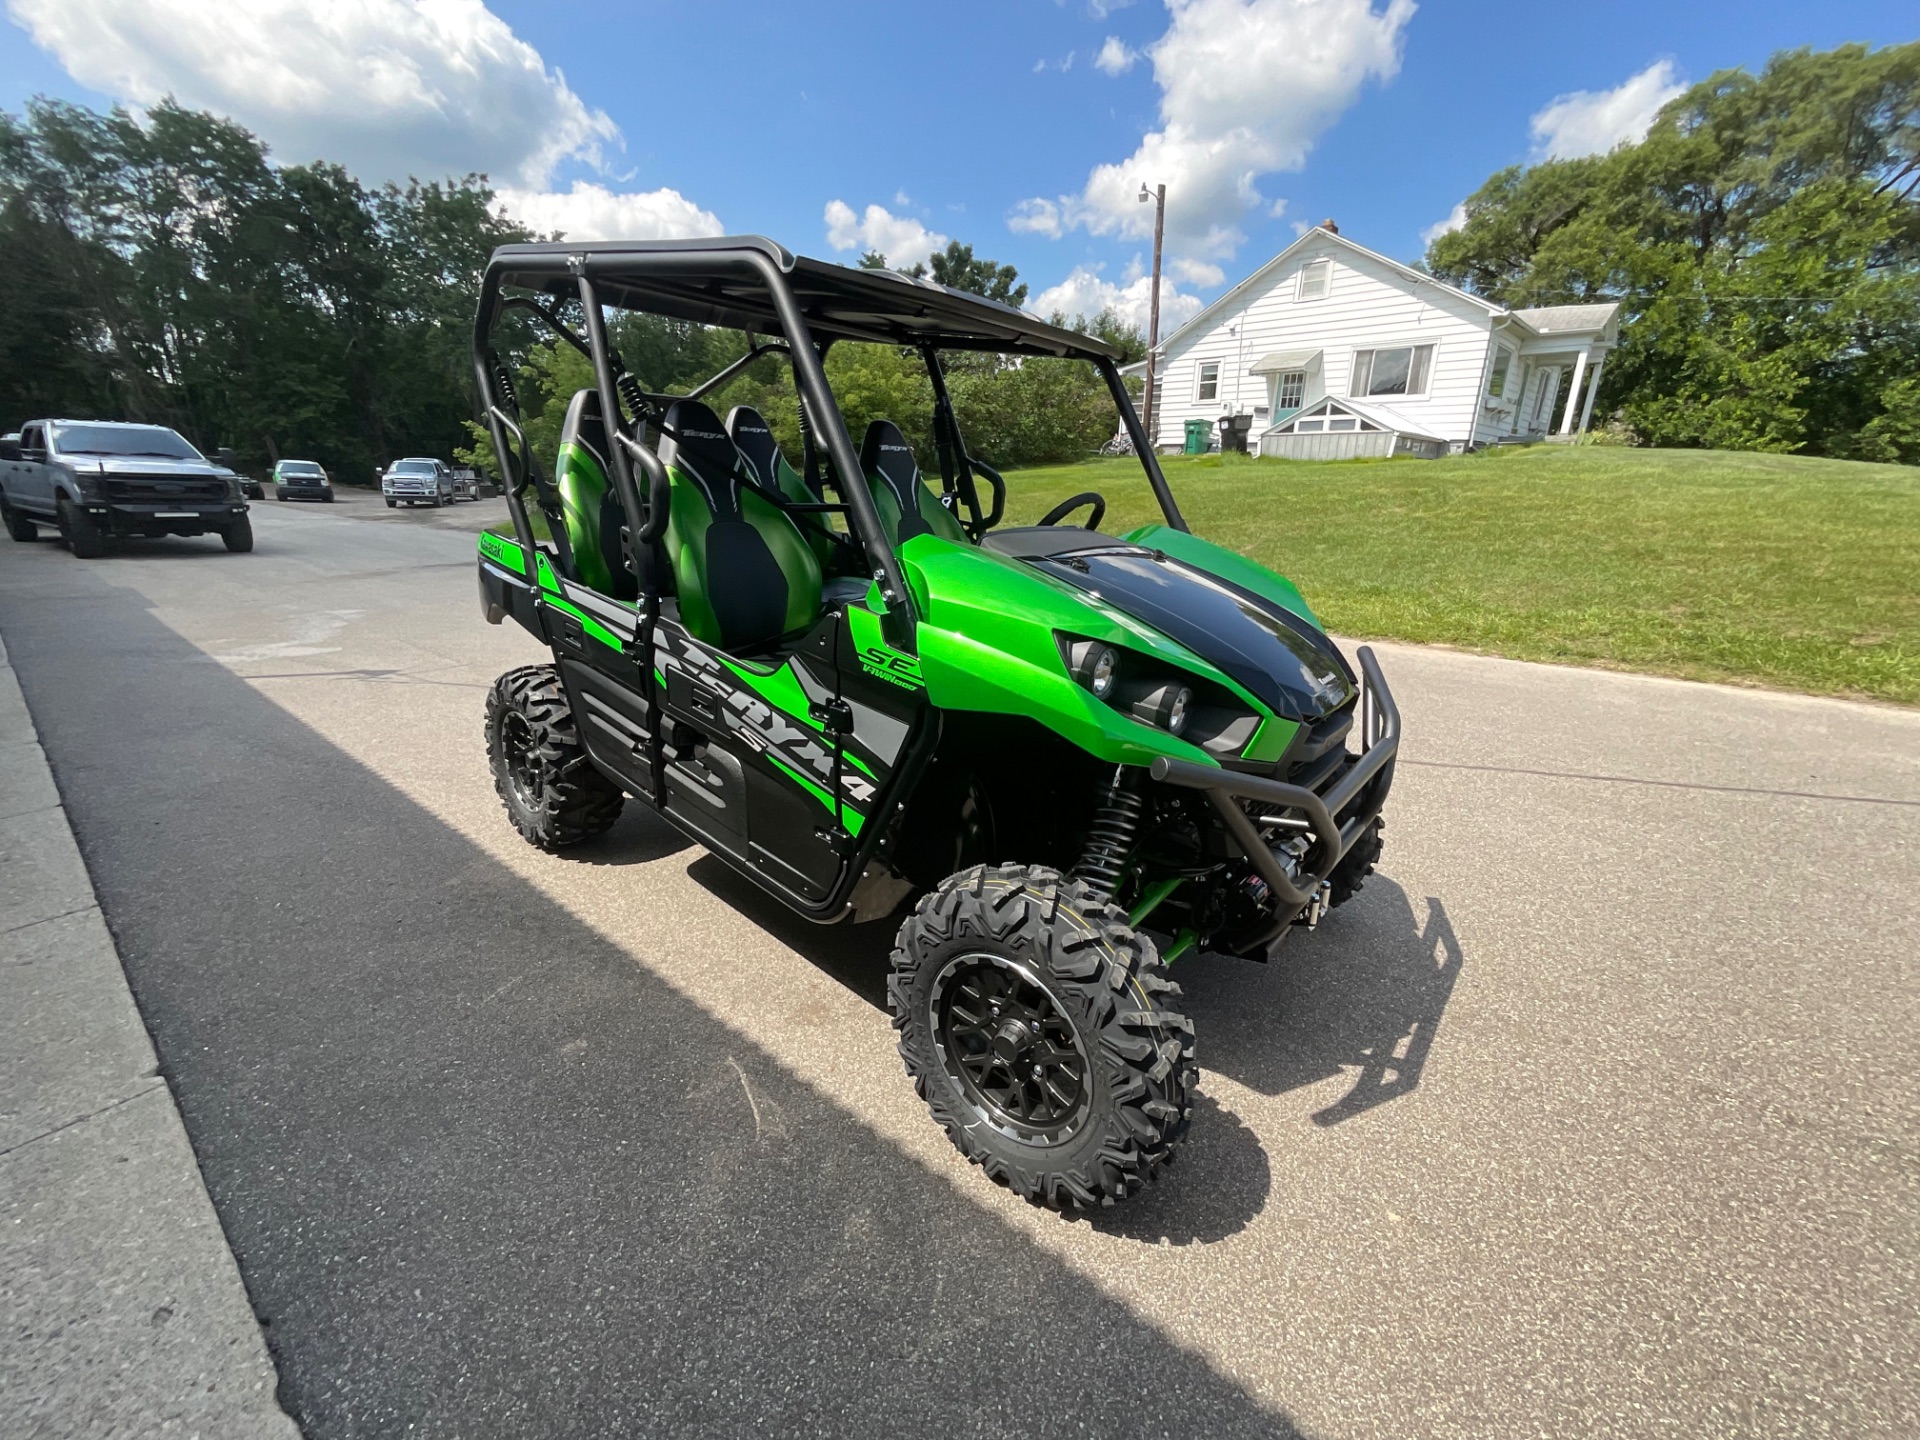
1335, 817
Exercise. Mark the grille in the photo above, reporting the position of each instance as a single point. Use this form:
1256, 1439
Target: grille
163, 491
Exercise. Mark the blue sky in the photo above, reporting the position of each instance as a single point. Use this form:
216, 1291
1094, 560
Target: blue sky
1020, 126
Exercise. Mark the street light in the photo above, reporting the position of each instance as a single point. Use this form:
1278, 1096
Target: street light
1159, 197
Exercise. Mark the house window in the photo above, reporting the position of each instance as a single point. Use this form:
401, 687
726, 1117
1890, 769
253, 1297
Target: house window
1209, 387
1305, 427
1401, 371
1293, 389
1316, 278
1343, 422
1497, 381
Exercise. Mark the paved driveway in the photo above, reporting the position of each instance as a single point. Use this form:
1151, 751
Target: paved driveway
1594, 1115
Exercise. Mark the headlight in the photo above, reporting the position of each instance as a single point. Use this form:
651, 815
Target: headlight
1165, 706
90, 484
1094, 665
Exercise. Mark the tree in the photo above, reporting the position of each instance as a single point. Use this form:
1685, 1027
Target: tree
1763, 241
162, 269
956, 268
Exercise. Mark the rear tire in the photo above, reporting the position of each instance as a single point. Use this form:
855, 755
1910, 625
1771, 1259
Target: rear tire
84, 538
18, 526
1039, 1029
239, 535
553, 794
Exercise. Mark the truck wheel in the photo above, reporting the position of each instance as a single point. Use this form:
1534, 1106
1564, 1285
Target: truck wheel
553, 794
18, 526
392, 503
84, 538
238, 535
1038, 1028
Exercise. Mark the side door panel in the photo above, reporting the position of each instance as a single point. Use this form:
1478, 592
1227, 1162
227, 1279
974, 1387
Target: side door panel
34, 477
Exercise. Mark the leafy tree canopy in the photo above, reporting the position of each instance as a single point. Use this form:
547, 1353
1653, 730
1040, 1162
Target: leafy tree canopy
1764, 243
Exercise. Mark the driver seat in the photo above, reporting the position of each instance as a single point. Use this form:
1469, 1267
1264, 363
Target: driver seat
589, 504
744, 573
907, 506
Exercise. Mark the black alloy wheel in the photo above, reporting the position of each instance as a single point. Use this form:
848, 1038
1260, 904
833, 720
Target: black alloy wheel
1009, 1048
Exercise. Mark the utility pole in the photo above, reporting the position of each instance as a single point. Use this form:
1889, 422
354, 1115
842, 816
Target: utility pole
1159, 197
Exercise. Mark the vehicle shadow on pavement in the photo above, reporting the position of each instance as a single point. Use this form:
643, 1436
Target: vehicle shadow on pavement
485, 1175
1365, 992
858, 956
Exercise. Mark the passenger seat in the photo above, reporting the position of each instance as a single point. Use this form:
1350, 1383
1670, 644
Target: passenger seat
907, 506
745, 574
756, 442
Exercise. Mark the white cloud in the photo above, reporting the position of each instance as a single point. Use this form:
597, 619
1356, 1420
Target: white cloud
1101, 9
1116, 57
388, 88
1247, 87
1456, 219
1084, 292
1592, 122
1038, 217
901, 238
593, 212
1202, 273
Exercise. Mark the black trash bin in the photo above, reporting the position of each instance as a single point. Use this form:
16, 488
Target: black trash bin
1234, 430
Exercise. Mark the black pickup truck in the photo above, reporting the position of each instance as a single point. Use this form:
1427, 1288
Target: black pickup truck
97, 479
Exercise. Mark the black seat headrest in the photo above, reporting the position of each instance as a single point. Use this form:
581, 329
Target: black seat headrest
583, 425
756, 443
884, 451
695, 441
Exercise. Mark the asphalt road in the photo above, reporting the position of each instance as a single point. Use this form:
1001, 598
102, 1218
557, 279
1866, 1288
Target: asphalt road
1593, 1115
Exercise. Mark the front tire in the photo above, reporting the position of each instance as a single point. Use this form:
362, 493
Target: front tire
1038, 1028
392, 504
84, 538
553, 794
18, 526
238, 535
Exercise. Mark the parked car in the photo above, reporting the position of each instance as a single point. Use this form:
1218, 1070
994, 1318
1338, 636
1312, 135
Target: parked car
417, 480
97, 479
249, 487
302, 480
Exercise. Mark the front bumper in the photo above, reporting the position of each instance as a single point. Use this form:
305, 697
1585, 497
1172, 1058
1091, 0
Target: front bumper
1336, 815
125, 517
304, 492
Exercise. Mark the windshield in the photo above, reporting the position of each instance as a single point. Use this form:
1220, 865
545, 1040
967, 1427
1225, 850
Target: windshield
412, 467
145, 440
299, 467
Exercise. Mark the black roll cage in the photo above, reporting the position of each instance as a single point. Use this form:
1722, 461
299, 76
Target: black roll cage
751, 284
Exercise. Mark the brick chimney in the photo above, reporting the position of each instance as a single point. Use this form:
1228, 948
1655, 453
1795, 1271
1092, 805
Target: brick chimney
1330, 227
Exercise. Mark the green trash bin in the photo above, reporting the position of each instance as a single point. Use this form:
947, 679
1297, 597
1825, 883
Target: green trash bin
1199, 436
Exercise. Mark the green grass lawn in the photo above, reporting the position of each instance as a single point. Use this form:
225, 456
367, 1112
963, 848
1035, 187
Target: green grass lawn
1759, 569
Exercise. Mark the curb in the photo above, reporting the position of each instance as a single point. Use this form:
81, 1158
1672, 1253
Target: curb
126, 1313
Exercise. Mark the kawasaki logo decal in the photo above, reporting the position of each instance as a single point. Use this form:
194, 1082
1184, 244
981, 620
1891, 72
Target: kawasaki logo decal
503, 551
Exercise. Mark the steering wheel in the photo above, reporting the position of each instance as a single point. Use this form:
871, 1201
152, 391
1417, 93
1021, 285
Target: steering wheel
1068, 506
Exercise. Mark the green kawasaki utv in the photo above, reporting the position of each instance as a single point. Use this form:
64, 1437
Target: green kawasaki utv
1085, 754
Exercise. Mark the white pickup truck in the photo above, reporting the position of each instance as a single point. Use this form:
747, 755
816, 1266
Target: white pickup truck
97, 479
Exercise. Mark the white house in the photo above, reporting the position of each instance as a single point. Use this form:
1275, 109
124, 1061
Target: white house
1337, 351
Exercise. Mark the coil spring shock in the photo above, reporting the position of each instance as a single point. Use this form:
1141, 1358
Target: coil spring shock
503, 382
629, 387
1110, 837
